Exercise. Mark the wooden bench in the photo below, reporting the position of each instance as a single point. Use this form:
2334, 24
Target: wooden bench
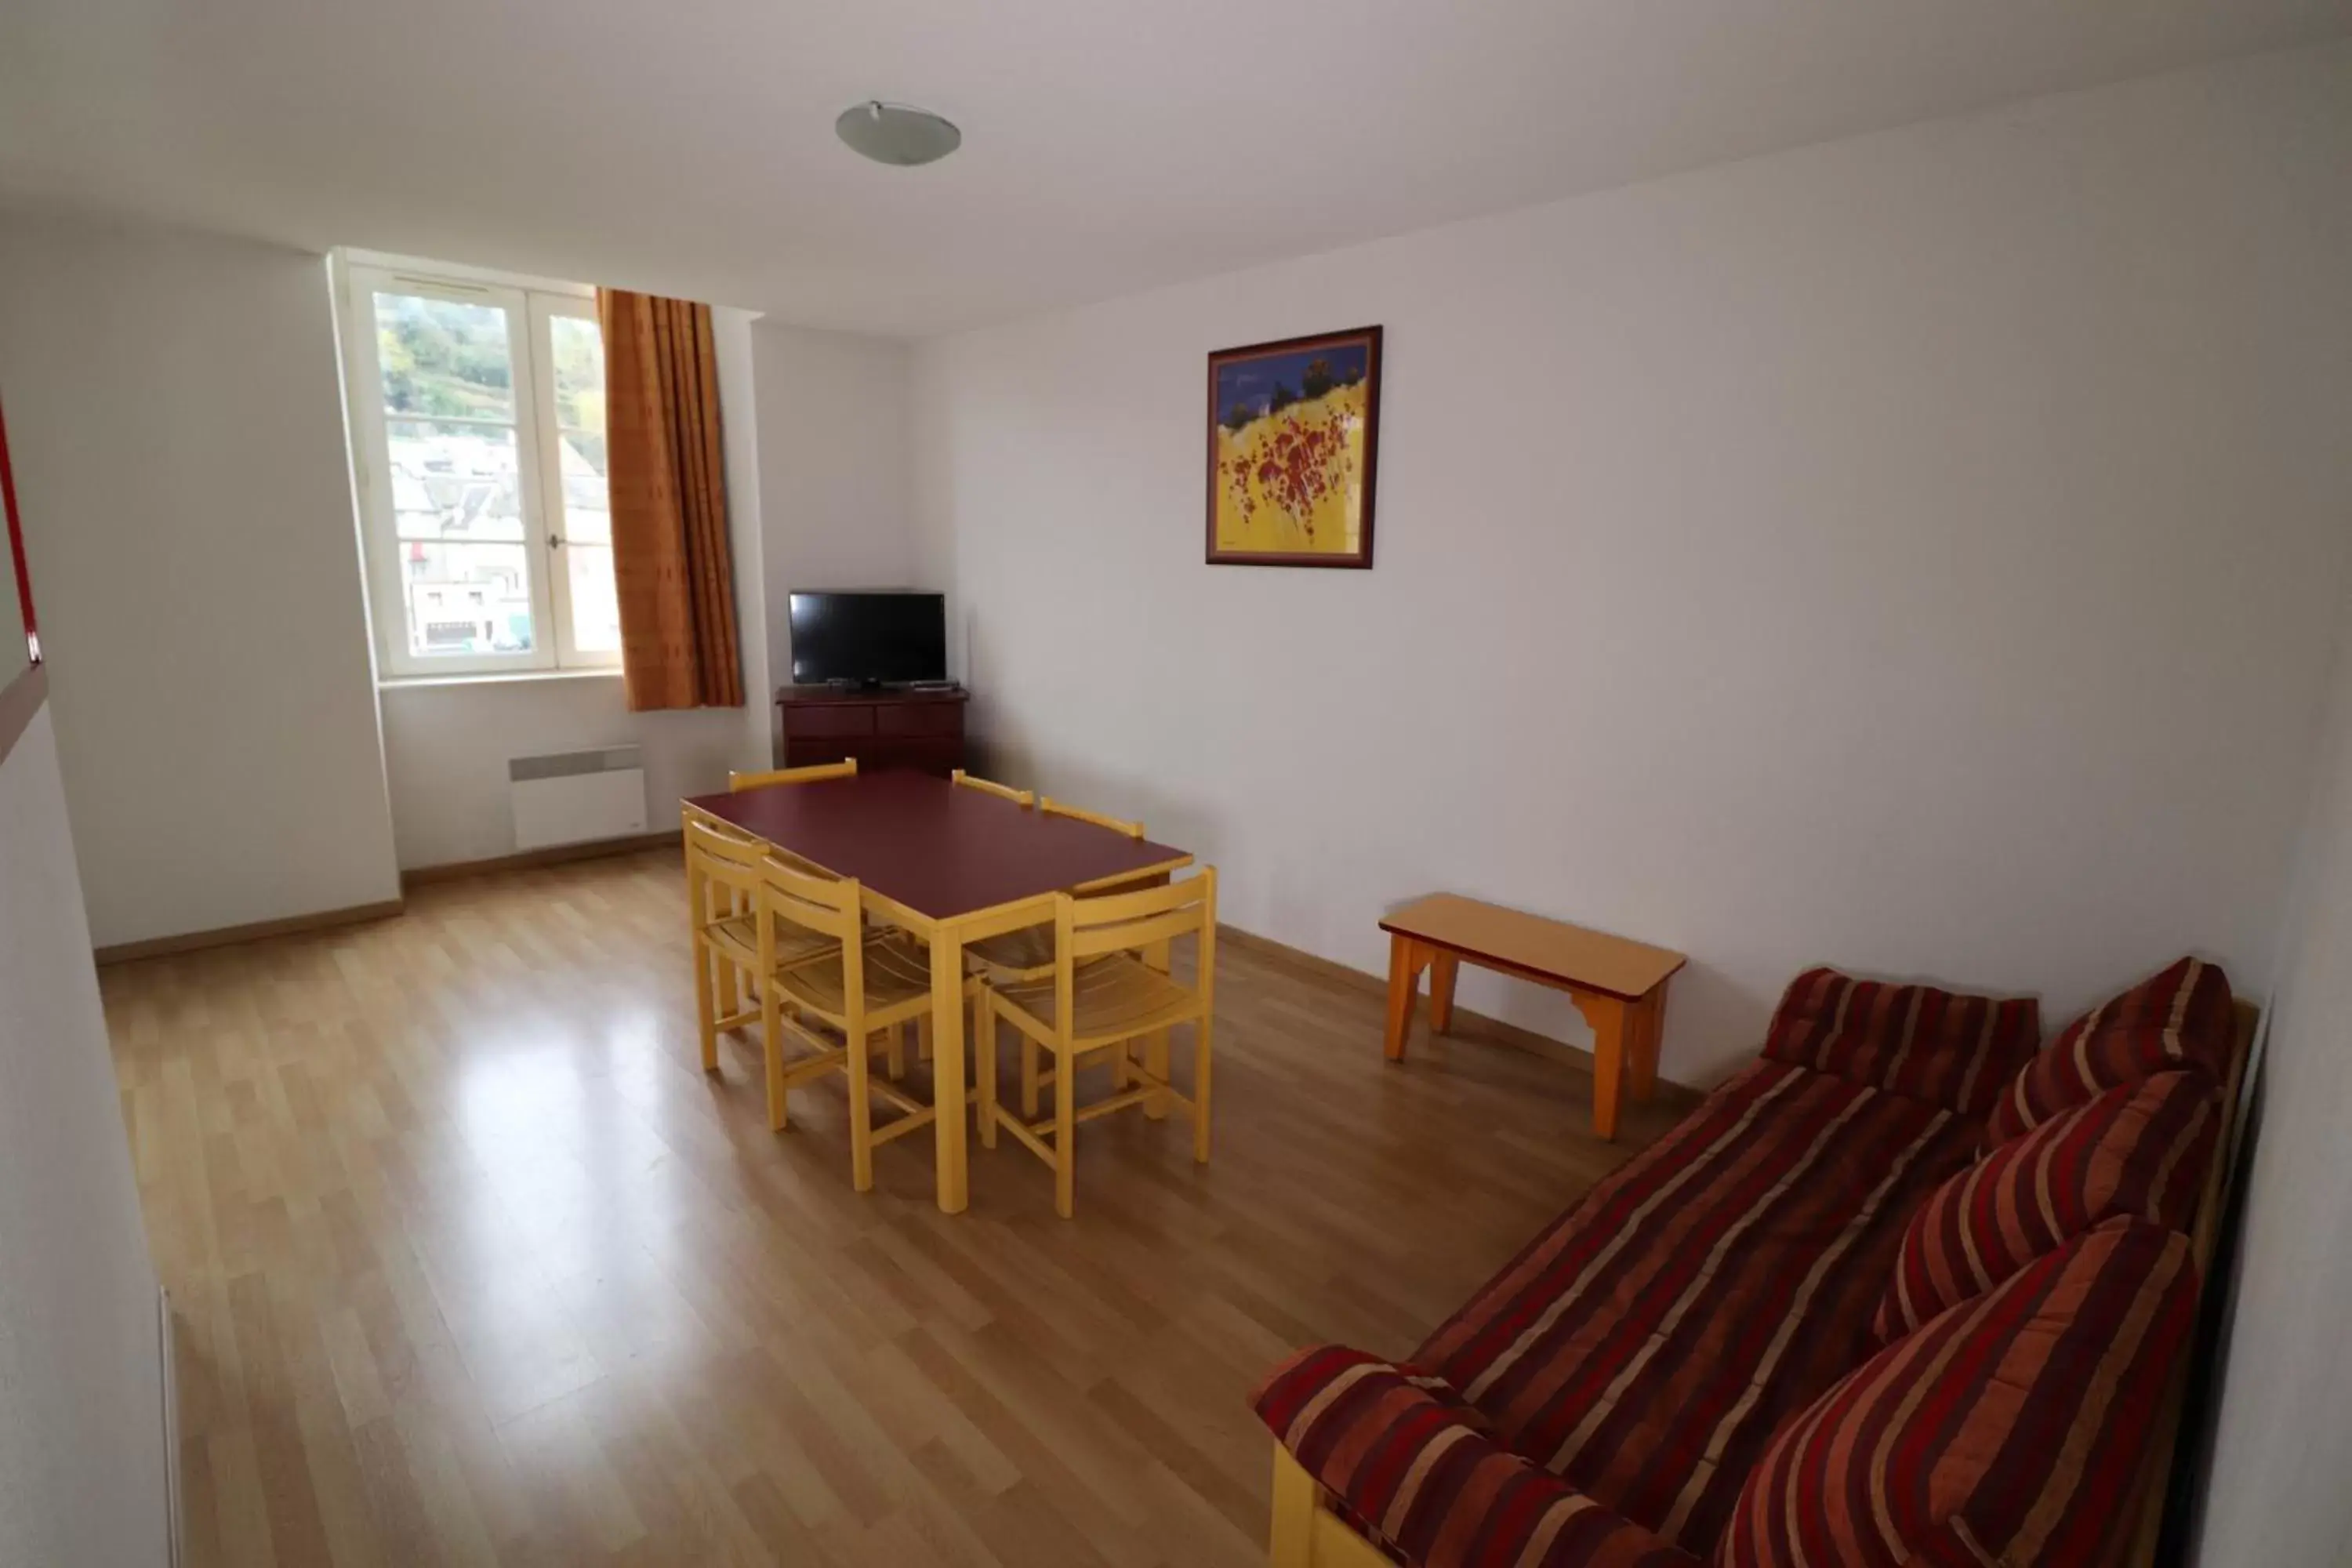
1619, 985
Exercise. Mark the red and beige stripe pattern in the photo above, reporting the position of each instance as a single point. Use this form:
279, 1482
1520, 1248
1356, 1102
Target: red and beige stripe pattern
1645, 1348
2141, 1150
2179, 1018
2008, 1430
1947, 1049
1420, 1470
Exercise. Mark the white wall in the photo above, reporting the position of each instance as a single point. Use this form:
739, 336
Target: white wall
448, 748
81, 1417
13, 657
176, 424
835, 469
2276, 1492
446, 744
1917, 553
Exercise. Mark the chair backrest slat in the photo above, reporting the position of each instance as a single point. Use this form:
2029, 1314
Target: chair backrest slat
1119, 936
826, 905
1121, 922
1053, 807
1102, 909
730, 860
1021, 797
810, 774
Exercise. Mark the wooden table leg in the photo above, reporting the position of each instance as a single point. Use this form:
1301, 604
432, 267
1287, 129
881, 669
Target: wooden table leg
1442, 966
1612, 1022
947, 1065
1406, 957
1642, 1063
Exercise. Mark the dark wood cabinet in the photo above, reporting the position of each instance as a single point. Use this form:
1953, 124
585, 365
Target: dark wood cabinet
881, 729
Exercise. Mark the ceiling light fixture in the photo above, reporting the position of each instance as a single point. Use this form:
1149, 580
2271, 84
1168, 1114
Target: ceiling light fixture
896, 133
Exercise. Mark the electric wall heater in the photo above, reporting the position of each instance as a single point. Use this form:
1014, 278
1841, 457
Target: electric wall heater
575, 798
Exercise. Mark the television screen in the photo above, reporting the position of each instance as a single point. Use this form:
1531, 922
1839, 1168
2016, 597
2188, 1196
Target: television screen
868, 638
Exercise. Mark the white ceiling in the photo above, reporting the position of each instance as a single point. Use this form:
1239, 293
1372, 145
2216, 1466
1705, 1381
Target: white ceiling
687, 146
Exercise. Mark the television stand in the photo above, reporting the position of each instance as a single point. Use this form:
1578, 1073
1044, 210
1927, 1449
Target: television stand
882, 726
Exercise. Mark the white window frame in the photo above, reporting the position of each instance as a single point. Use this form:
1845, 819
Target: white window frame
544, 307
530, 307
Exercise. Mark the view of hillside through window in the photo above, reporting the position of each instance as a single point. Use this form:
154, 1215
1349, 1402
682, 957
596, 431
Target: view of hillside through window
455, 438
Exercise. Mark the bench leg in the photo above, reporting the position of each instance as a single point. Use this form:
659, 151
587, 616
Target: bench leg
1613, 1022
1642, 1064
1441, 966
1406, 958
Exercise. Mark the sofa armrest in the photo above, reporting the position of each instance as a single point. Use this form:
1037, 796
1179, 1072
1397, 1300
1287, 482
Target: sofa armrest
1419, 1468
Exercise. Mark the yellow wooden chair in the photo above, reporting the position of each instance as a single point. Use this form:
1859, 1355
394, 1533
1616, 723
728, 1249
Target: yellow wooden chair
864, 985
739, 903
1019, 798
735, 941
1101, 995
1028, 954
813, 774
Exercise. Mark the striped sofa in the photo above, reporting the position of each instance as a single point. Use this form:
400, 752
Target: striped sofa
1908, 1290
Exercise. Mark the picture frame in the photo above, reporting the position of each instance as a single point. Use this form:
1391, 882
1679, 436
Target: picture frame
1294, 450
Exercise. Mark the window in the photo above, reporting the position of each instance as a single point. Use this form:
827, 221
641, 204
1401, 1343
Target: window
478, 426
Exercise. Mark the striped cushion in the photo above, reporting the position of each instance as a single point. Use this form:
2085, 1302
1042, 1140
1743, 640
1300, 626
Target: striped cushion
2008, 1430
1950, 1050
1644, 1347
1420, 1470
2142, 1149
2179, 1018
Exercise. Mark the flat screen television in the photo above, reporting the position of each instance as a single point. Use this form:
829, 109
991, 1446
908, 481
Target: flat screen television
869, 639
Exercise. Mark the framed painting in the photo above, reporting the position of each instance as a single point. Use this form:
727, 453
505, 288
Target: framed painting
1294, 443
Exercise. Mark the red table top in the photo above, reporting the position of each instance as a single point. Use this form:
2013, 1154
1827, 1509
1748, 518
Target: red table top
939, 850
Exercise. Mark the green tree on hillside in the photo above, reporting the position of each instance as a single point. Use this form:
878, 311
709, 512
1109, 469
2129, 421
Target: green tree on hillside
440, 358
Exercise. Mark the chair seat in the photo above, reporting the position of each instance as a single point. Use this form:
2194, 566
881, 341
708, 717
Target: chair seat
897, 981
1111, 998
739, 936
1016, 953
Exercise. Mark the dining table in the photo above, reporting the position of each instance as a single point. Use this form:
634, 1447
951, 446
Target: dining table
953, 866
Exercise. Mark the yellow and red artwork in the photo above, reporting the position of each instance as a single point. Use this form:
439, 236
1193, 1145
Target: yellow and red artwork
1293, 432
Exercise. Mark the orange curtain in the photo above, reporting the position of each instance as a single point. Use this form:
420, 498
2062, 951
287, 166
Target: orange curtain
670, 561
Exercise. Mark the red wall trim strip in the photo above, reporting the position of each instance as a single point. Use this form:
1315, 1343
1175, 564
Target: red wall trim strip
16, 543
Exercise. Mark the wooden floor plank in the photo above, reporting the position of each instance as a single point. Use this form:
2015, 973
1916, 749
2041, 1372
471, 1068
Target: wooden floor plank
471, 1263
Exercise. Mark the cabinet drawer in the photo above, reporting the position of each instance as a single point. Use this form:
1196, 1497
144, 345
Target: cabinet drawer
801, 752
920, 719
932, 753
829, 718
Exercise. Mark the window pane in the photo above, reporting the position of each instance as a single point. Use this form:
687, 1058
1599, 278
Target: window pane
587, 507
579, 373
453, 481
588, 445
465, 599
439, 356
595, 606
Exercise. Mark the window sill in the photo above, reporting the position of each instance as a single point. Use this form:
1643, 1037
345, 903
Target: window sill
493, 678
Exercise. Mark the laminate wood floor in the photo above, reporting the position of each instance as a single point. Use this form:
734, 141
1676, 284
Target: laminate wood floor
472, 1264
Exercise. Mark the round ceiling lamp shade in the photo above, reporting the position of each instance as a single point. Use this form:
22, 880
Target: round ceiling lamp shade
895, 133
